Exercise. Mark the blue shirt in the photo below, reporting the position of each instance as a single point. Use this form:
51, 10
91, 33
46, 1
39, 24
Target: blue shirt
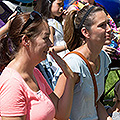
83, 107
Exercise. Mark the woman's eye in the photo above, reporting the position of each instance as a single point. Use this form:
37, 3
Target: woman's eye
103, 25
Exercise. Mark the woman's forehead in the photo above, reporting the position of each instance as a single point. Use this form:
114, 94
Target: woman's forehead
100, 16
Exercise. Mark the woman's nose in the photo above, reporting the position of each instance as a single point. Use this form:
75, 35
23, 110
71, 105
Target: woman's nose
108, 28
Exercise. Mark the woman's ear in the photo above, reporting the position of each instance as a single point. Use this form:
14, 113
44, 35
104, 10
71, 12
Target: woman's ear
85, 32
25, 40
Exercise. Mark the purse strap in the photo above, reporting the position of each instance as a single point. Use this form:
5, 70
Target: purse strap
91, 72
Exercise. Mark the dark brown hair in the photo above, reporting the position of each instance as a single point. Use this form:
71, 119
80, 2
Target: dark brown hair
10, 42
44, 7
72, 34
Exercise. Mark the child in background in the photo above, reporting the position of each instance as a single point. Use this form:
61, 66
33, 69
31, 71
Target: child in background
52, 11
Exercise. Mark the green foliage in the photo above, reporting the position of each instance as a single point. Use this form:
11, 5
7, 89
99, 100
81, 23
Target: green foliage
110, 81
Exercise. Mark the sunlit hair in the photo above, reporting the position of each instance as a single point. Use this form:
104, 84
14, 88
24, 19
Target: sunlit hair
72, 35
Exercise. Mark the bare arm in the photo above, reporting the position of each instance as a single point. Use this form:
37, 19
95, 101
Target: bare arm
56, 48
5, 28
64, 90
52, 32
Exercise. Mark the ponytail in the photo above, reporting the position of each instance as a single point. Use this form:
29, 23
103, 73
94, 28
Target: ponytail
71, 37
44, 7
5, 51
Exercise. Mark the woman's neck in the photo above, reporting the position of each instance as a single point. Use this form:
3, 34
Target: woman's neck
21, 65
92, 56
88, 53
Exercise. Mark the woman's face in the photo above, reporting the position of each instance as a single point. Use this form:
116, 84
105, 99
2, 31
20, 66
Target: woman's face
57, 8
100, 31
41, 44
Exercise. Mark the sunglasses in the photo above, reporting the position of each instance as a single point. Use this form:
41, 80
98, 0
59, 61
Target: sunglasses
34, 16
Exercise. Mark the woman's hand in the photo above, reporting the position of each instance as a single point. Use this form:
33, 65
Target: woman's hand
63, 65
12, 16
109, 50
58, 49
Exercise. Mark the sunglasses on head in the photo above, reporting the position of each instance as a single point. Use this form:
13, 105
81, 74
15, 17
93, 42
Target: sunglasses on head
34, 16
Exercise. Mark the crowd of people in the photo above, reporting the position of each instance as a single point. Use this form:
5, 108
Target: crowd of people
53, 62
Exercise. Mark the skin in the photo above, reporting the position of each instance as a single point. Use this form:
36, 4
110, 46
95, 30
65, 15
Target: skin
89, 1
41, 45
5, 28
57, 8
99, 31
30, 54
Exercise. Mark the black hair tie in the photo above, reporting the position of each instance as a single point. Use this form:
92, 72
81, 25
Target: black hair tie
85, 16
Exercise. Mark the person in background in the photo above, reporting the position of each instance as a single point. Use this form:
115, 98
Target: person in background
7, 7
30, 97
85, 32
111, 47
